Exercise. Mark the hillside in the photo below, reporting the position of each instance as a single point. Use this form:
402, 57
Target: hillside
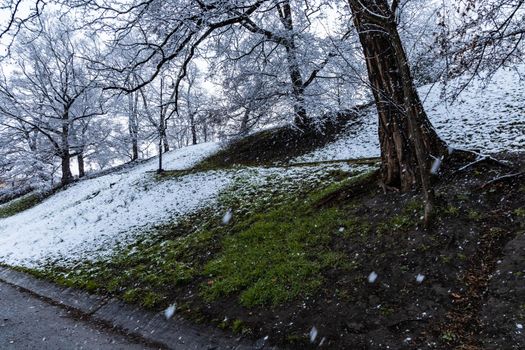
489, 118
303, 250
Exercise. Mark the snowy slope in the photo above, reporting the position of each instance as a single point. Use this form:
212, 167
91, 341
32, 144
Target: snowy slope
92, 217
488, 118
99, 212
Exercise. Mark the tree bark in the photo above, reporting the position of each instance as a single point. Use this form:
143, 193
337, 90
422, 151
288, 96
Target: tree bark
301, 117
67, 177
80, 161
408, 141
243, 130
165, 141
133, 124
193, 129
65, 156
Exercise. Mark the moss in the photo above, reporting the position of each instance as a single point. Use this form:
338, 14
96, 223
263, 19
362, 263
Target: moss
151, 299
449, 336
462, 257
520, 212
238, 327
131, 295
397, 222
276, 259
452, 210
355, 227
279, 256
19, 205
474, 215
333, 193
387, 311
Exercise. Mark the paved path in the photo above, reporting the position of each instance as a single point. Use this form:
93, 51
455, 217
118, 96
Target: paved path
27, 322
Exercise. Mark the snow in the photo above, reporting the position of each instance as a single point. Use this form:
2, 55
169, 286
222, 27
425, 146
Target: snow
93, 217
90, 217
227, 217
420, 278
372, 277
170, 311
489, 118
313, 334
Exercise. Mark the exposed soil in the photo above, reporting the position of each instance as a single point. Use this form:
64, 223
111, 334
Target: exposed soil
470, 262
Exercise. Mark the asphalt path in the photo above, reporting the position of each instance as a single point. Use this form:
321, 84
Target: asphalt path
28, 322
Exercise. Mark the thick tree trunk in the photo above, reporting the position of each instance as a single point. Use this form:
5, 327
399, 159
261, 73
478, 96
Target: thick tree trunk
408, 140
80, 161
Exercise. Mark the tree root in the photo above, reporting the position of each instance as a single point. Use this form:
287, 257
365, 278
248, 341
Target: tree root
504, 178
482, 158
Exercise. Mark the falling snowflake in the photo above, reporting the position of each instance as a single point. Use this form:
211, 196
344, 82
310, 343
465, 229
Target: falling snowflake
420, 278
372, 277
436, 165
227, 217
519, 326
313, 334
170, 311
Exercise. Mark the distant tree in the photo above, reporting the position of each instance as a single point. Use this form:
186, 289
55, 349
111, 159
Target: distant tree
52, 91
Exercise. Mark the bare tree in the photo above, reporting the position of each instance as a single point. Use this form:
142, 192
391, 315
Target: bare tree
52, 91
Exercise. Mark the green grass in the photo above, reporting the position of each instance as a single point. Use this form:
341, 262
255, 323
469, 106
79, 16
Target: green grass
277, 258
19, 205
274, 250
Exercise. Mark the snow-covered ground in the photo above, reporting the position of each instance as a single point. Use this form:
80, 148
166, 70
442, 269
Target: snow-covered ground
99, 212
488, 118
91, 218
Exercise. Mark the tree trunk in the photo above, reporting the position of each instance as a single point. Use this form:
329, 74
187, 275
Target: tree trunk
134, 150
133, 125
193, 128
243, 130
165, 141
65, 156
408, 140
66, 168
80, 161
301, 117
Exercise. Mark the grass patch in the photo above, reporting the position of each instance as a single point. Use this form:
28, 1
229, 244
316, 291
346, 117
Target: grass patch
277, 258
20, 204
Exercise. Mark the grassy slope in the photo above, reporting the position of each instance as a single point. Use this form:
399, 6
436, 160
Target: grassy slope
18, 205
298, 252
